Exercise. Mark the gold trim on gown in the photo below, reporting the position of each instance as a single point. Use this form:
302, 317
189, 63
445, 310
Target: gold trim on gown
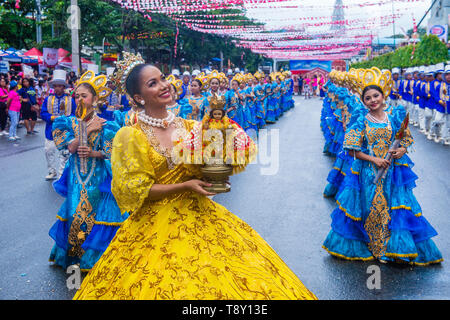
183, 247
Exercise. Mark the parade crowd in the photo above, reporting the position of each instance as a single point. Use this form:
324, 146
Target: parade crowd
133, 217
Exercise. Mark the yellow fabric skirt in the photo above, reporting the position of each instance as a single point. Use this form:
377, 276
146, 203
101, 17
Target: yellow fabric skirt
190, 248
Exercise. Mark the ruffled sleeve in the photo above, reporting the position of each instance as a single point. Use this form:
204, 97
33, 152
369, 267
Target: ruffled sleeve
354, 136
119, 117
185, 108
133, 173
63, 132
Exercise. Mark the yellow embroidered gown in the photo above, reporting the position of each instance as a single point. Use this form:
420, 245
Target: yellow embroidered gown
185, 246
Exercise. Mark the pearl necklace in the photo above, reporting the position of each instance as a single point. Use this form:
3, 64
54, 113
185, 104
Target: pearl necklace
375, 120
156, 122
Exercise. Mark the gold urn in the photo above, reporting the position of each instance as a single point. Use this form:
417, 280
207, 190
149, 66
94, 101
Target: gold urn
217, 175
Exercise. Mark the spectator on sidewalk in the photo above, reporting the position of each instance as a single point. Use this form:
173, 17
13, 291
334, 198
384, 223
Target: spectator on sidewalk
55, 105
13, 106
3, 110
29, 105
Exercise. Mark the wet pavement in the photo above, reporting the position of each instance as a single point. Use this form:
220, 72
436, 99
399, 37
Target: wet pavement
281, 199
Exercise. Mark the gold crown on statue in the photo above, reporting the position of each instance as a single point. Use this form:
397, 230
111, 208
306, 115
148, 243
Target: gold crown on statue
176, 83
216, 102
97, 82
123, 69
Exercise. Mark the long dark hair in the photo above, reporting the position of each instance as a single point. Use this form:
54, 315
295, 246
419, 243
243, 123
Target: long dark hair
371, 87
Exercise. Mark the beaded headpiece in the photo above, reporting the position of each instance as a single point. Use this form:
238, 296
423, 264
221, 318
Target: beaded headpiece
123, 69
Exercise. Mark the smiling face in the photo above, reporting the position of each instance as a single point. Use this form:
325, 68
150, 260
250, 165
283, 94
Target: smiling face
235, 85
154, 89
214, 84
373, 99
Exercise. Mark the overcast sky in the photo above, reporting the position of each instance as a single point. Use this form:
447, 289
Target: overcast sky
324, 8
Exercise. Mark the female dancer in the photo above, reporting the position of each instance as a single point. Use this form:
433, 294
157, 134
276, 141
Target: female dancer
196, 100
380, 219
234, 100
89, 217
271, 116
177, 243
213, 83
245, 92
258, 92
180, 108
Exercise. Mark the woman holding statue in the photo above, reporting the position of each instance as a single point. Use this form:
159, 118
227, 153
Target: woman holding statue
177, 243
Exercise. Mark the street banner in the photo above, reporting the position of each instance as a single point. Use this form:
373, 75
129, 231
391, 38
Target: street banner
4, 66
28, 71
308, 65
50, 57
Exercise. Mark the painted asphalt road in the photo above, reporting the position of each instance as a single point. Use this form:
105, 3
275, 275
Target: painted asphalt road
285, 207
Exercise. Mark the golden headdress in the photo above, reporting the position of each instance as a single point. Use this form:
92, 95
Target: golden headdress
248, 77
176, 83
123, 69
214, 75
258, 75
97, 82
374, 76
238, 77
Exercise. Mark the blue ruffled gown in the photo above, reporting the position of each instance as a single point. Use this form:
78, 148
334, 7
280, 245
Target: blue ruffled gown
271, 103
343, 160
260, 115
89, 217
236, 114
248, 122
382, 220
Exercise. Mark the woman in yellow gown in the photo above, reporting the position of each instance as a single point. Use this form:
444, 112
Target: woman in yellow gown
177, 244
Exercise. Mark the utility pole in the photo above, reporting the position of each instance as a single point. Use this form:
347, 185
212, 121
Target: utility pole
393, 23
38, 22
74, 26
221, 61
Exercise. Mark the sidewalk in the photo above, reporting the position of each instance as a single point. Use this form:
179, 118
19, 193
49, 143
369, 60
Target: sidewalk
27, 142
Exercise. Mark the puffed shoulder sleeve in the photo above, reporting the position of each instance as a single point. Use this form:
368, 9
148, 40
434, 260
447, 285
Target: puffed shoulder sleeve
110, 130
354, 136
63, 131
132, 170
